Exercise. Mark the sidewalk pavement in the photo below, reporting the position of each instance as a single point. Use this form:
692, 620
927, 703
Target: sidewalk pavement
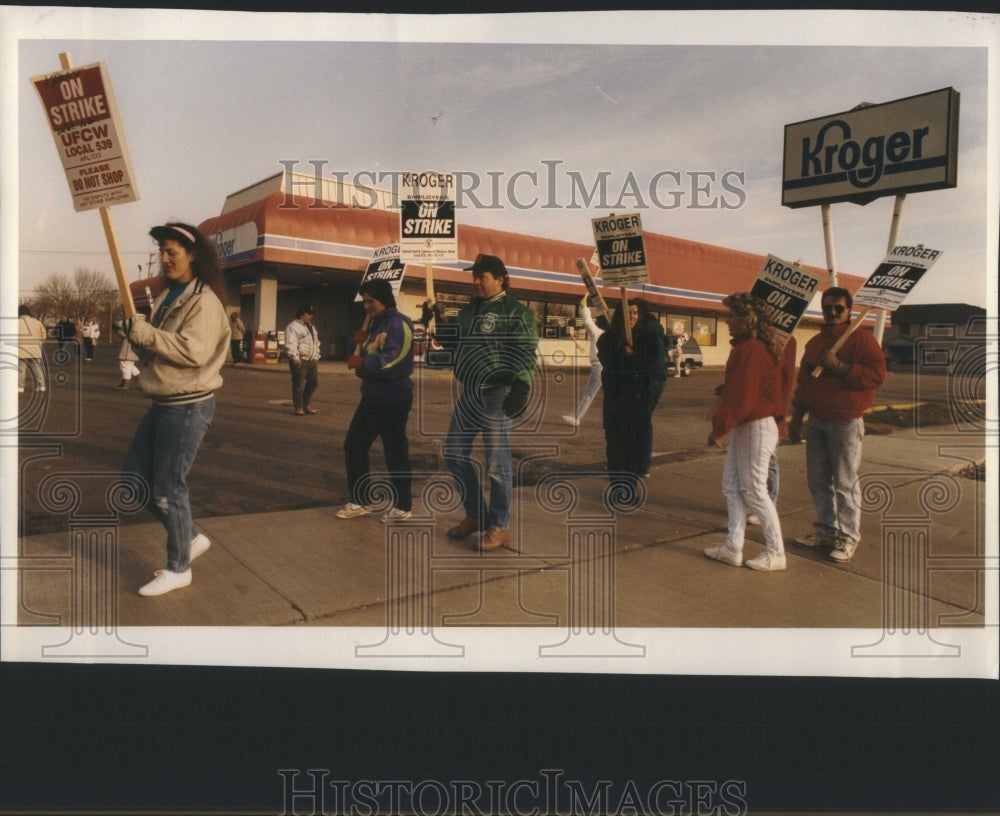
571, 561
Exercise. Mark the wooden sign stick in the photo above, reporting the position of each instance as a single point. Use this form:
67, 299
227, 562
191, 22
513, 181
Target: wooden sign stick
855, 325
628, 326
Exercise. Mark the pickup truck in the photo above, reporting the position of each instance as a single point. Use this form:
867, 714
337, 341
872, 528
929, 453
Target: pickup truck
690, 354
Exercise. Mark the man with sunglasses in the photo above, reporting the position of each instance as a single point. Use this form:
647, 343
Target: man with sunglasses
835, 402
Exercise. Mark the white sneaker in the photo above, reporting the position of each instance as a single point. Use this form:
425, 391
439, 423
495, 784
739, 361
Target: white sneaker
40, 388
767, 561
166, 581
752, 519
199, 544
350, 510
569, 419
720, 552
396, 515
20, 390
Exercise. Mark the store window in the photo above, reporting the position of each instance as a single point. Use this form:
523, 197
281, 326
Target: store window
705, 330
678, 324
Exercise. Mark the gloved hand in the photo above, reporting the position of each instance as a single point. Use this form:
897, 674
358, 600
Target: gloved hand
517, 400
125, 326
355, 361
360, 336
831, 362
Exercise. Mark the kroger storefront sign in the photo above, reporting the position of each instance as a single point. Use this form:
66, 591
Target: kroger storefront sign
236, 244
904, 146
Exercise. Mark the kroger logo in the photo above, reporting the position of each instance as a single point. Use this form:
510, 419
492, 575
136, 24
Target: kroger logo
223, 247
835, 153
236, 244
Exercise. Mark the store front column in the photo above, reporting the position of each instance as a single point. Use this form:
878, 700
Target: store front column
265, 302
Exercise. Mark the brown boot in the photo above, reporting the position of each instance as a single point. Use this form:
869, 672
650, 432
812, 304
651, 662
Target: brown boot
122, 384
494, 539
466, 527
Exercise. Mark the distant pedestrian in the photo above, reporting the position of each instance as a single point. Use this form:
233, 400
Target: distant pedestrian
248, 336
91, 332
127, 359
384, 364
236, 338
677, 352
751, 397
182, 350
835, 402
66, 334
595, 328
494, 341
426, 314
633, 379
30, 335
302, 348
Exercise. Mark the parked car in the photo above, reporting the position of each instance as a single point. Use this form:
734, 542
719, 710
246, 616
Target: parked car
690, 354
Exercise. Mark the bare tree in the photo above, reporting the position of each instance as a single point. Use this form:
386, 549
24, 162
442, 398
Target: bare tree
88, 293
54, 297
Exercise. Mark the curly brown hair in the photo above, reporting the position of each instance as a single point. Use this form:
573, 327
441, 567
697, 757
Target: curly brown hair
756, 317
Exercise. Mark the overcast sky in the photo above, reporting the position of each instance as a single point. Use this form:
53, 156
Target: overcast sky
628, 98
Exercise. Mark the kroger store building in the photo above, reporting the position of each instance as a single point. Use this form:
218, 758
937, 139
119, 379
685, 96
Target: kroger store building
280, 249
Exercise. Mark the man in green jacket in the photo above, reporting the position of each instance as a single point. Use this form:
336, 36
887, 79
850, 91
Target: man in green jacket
493, 343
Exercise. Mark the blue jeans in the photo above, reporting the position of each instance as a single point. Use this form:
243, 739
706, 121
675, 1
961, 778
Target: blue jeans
589, 391
480, 411
161, 454
744, 483
833, 455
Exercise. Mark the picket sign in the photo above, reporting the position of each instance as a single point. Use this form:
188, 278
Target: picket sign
888, 285
786, 289
128, 305
588, 280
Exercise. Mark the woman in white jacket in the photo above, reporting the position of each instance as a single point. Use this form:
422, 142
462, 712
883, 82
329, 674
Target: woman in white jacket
594, 331
182, 349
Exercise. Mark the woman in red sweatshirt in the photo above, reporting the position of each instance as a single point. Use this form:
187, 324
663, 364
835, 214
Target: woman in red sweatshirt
751, 398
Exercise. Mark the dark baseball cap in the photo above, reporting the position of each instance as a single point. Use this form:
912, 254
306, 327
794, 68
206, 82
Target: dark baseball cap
488, 263
305, 308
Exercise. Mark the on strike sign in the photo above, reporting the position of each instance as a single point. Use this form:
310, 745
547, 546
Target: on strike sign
891, 282
385, 265
620, 249
786, 289
83, 116
427, 229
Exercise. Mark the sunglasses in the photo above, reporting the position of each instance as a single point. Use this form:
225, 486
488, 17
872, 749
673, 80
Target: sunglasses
834, 309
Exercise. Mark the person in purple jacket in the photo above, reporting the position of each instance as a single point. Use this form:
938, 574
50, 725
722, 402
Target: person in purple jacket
383, 359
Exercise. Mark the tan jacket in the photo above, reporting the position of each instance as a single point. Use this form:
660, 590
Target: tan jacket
30, 331
181, 359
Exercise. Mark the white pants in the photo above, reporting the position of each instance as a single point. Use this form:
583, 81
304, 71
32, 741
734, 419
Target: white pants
744, 483
129, 369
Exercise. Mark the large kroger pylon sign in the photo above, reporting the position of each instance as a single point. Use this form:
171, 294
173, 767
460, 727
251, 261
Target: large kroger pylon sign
899, 147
